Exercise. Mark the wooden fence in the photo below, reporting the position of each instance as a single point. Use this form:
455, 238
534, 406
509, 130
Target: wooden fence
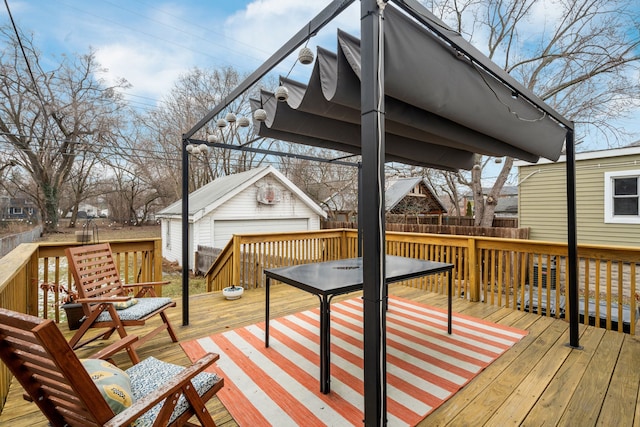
525, 275
460, 226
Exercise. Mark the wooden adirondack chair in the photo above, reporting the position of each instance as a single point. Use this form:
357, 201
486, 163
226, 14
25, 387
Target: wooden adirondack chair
100, 290
58, 382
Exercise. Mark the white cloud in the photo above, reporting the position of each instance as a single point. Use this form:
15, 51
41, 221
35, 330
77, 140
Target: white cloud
264, 26
545, 14
151, 44
151, 71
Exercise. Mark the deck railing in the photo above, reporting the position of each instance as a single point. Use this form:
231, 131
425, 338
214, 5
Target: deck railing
137, 260
525, 275
26, 268
521, 274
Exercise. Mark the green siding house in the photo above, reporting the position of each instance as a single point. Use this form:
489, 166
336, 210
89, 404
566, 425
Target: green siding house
607, 197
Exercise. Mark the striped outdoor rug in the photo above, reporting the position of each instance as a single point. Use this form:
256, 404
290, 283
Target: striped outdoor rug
280, 386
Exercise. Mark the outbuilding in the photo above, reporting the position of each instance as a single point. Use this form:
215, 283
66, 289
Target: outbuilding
258, 200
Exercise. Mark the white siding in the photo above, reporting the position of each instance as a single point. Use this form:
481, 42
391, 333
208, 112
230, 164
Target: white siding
246, 206
242, 214
172, 250
543, 202
225, 229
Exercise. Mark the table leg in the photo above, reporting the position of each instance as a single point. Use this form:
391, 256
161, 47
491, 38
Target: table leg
450, 274
325, 360
266, 313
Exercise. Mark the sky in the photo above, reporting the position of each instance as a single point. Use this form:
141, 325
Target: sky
151, 43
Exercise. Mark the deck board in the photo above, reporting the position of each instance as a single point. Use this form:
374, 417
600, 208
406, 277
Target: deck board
555, 398
539, 381
490, 393
620, 401
516, 406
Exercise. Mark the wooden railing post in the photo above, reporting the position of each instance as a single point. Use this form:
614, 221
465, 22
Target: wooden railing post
235, 275
34, 286
474, 271
343, 244
157, 264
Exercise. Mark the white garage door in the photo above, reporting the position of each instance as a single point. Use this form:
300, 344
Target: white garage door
225, 229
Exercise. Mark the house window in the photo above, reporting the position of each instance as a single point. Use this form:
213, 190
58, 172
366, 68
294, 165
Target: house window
622, 197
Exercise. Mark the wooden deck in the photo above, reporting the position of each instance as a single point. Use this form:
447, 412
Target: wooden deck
540, 381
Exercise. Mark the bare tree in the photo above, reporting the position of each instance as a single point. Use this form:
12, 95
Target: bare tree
333, 186
79, 184
191, 98
582, 59
50, 116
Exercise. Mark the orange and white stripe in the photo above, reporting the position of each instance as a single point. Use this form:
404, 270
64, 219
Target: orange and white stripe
279, 385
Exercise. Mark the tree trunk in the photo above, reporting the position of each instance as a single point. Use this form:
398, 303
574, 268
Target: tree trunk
50, 214
478, 196
491, 201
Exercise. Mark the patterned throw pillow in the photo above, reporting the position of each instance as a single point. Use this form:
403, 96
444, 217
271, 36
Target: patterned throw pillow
113, 383
121, 305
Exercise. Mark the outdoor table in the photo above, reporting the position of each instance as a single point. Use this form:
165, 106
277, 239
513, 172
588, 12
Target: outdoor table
331, 278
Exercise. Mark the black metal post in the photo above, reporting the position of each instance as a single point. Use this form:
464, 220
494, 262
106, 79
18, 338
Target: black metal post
325, 350
360, 210
572, 241
185, 232
373, 226
266, 311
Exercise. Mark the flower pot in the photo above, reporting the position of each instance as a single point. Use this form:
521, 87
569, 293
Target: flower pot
74, 314
233, 292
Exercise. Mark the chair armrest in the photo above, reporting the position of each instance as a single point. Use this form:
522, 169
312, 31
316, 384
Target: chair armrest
115, 347
171, 387
97, 300
146, 288
146, 284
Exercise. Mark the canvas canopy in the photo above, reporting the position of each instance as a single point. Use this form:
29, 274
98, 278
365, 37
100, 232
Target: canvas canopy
440, 106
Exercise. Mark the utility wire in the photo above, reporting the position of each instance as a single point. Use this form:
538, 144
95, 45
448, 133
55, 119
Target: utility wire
26, 60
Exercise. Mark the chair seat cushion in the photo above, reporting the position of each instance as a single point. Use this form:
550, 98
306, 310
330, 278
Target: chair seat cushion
144, 307
113, 383
152, 373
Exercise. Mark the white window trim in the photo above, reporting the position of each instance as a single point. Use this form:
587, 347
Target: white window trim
608, 198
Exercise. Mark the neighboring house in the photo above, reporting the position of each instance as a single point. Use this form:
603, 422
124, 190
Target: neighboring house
403, 196
87, 211
93, 211
507, 201
342, 206
256, 201
507, 207
413, 196
17, 208
607, 197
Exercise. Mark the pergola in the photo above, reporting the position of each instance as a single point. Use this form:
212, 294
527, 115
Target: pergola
412, 90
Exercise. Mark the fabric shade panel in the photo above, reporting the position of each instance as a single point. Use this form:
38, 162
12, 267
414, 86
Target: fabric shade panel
440, 107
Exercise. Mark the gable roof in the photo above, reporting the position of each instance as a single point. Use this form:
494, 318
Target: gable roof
507, 205
211, 196
400, 187
341, 201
